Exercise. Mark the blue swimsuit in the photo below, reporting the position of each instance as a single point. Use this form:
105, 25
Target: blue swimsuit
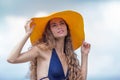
56, 71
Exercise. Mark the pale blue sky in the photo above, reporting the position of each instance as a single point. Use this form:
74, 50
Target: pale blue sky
101, 19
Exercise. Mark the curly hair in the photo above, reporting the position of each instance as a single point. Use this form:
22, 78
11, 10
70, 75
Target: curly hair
72, 61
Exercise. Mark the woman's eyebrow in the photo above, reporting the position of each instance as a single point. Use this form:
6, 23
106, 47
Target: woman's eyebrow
52, 23
61, 21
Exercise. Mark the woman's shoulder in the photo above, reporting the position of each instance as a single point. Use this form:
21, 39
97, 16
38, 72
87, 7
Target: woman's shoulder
42, 47
43, 50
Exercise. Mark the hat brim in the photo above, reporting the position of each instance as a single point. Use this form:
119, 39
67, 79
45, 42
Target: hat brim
72, 18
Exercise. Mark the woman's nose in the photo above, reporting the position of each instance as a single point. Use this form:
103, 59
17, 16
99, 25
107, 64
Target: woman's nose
59, 26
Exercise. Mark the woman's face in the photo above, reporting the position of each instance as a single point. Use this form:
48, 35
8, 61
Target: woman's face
58, 27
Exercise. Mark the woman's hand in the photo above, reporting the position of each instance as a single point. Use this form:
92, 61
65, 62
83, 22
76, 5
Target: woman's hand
85, 48
29, 29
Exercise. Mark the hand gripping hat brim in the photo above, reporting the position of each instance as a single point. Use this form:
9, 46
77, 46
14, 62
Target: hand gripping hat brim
72, 18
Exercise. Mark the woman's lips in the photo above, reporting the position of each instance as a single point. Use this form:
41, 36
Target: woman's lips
61, 31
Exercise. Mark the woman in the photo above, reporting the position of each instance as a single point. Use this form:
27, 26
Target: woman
54, 39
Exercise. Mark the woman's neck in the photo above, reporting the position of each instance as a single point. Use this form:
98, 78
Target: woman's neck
60, 46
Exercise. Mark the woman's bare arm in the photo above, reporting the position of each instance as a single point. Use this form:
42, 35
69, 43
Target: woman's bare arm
85, 48
16, 56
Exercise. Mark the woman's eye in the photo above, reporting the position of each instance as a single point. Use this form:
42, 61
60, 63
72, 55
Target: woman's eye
54, 25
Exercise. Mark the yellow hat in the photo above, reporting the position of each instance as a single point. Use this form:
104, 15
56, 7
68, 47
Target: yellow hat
72, 18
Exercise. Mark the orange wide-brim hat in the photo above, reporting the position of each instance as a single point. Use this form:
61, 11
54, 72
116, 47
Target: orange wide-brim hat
72, 18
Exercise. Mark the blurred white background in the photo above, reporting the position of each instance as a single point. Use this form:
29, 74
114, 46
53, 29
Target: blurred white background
101, 20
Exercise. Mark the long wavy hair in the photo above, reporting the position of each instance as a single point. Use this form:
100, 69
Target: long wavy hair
72, 61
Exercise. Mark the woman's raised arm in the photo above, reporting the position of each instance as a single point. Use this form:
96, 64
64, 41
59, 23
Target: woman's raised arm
85, 48
16, 56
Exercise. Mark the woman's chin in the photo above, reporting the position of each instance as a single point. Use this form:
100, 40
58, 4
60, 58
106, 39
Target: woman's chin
60, 37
